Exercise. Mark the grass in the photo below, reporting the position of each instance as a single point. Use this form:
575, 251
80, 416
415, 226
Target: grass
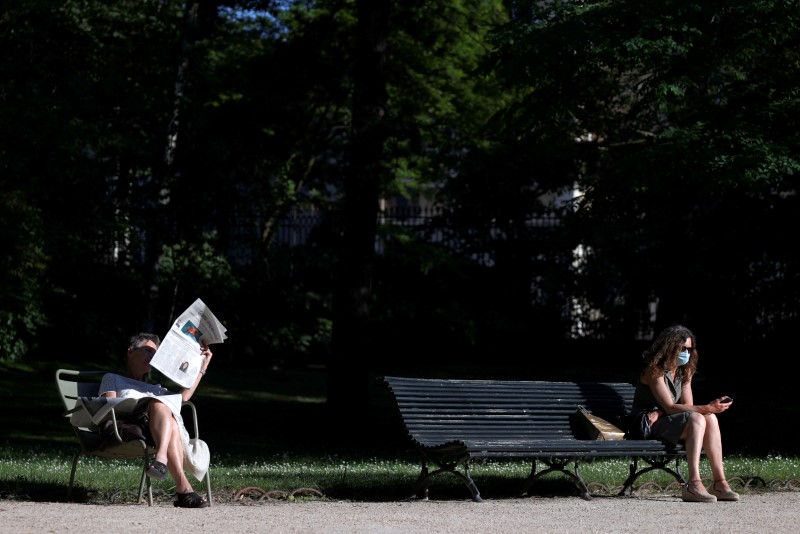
42, 474
271, 437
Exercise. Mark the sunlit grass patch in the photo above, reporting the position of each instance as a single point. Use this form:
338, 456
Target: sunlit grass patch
43, 473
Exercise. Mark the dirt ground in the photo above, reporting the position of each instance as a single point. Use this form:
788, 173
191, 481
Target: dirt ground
773, 512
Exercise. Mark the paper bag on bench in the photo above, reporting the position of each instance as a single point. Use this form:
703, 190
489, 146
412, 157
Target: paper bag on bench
597, 427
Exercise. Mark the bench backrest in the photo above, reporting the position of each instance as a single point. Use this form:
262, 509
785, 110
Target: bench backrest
435, 411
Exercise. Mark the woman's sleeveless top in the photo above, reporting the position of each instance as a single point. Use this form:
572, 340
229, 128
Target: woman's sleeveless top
643, 398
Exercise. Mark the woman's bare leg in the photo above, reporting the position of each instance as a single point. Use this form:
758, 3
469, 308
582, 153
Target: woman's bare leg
693, 436
712, 443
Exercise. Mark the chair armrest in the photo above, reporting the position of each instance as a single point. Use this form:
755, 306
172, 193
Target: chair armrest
96, 430
195, 428
90, 426
116, 428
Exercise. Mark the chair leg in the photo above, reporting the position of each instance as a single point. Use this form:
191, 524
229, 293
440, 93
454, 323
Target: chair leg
72, 474
208, 488
145, 480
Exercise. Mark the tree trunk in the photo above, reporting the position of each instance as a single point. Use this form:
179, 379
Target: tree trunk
161, 229
352, 343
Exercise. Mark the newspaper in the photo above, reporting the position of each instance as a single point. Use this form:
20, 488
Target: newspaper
89, 412
178, 357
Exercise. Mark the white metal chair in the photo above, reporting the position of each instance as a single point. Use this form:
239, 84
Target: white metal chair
73, 384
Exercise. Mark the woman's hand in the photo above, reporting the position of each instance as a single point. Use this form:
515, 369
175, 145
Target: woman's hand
654, 416
720, 405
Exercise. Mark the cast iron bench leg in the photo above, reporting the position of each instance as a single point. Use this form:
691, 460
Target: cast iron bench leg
560, 466
425, 476
421, 483
582, 488
476, 496
656, 462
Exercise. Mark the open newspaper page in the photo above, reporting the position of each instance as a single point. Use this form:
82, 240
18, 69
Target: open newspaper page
178, 357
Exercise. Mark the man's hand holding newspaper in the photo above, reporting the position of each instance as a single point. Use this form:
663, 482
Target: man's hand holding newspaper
178, 357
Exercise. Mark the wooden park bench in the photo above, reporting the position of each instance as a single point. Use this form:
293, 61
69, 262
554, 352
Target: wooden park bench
453, 423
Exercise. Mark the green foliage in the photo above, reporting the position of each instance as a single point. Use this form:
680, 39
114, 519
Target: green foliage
257, 110
21, 268
188, 268
85, 104
434, 51
677, 123
428, 302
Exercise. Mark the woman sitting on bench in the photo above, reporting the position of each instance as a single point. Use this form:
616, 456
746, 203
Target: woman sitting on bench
664, 393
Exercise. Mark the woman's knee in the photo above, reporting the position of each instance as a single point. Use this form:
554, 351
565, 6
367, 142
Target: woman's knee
697, 420
712, 424
711, 419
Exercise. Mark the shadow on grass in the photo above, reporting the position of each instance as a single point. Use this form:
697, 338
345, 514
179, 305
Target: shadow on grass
370, 488
25, 490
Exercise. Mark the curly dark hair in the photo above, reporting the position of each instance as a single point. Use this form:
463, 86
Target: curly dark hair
663, 353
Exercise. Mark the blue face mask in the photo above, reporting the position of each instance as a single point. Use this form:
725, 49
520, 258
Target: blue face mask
683, 357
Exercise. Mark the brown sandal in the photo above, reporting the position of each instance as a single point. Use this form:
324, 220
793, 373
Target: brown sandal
726, 495
696, 496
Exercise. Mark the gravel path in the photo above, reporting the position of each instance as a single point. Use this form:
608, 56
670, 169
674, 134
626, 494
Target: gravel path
773, 512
